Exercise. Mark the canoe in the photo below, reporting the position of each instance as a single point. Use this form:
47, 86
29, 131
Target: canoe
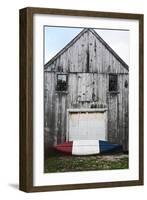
88, 147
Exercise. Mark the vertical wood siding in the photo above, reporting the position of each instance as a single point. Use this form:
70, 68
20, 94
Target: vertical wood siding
88, 64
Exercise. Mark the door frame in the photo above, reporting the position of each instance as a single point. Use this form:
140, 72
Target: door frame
85, 110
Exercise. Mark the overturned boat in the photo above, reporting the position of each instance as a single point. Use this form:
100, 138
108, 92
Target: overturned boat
88, 147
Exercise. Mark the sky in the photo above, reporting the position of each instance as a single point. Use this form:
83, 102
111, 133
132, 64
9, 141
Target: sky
55, 38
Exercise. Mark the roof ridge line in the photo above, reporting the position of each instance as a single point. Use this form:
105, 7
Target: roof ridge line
66, 46
98, 37
109, 48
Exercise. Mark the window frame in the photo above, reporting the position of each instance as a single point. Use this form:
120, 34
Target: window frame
58, 74
116, 90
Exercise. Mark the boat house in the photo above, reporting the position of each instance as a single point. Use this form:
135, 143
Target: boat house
86, 88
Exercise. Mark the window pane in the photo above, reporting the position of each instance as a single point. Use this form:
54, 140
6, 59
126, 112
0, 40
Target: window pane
61, 82
112, 82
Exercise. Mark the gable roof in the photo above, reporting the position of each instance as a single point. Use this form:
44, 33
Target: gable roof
77, 37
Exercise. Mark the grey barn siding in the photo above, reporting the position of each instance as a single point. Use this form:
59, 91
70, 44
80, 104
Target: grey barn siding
87, 61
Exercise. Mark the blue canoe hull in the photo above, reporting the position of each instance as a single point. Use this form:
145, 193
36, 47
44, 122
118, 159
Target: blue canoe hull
107, 147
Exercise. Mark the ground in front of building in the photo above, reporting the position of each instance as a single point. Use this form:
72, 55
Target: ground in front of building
57, 162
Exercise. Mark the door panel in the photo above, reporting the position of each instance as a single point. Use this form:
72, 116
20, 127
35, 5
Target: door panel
87, 126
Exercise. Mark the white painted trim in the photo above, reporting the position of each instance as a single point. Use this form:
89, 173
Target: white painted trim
87, 110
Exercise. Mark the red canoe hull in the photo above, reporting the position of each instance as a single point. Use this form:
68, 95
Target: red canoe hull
66, 147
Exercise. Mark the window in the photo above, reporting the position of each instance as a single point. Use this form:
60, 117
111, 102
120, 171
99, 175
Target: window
126, 84
113, 83
61, 82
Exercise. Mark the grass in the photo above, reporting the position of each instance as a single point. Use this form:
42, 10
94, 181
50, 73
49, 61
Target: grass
57, 162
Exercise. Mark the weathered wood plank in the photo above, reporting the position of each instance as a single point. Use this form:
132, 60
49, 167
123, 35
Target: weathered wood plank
88, 64
112, 117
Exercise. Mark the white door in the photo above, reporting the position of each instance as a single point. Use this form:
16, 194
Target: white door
87, 126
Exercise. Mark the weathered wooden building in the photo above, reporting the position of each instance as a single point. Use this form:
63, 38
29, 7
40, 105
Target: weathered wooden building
86, 93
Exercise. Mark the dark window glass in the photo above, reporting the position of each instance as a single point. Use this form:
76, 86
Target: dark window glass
126, 84
112, 82
60, 69
61, 82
